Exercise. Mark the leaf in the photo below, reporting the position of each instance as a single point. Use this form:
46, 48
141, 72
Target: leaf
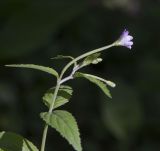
14, 142
109, 83
48, 97
64, 94
94, 80
63, 57
92, 59
37, 67
66, 125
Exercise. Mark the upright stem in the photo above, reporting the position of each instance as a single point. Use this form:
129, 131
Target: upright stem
44, 137
50, 111
59, 83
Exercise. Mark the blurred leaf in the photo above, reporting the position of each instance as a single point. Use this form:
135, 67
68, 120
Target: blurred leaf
64, 94
13, 142
37, 67
66, 125
123, 116
94, 80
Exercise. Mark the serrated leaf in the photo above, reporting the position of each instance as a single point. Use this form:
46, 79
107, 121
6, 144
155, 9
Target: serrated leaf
48, 97
66, 125
37, 67
14, 142
63, 96
92, 59
94, 80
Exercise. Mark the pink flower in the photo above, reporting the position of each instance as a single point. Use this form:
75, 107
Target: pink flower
125, 40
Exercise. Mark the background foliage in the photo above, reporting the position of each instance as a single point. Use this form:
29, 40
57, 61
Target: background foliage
35, 31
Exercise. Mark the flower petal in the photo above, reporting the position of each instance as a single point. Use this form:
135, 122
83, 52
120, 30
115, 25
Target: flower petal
125, 39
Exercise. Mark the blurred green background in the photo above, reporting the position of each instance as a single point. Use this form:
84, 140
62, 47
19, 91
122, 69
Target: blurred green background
33, 31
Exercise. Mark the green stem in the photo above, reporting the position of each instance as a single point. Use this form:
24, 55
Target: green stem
85, 55
58, 86
44, 137
50, 111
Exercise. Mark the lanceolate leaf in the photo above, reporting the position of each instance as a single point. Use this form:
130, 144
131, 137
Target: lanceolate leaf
96, 81
63, 57
66, 125
64, 94
37, 67
13, 142
109, 83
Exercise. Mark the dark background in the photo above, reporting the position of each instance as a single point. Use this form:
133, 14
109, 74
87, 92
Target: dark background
33, 31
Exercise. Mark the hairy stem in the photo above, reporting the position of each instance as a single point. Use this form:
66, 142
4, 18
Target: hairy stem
76, 68
50, 111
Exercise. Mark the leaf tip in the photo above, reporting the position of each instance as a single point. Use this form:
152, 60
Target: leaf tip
111, 84
110, 96
7, 65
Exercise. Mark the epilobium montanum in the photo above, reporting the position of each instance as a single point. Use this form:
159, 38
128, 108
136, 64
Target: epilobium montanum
125, 39
62, 120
